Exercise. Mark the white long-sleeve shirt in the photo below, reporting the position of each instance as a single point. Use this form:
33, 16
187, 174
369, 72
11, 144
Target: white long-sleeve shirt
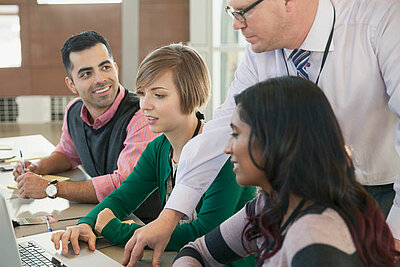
361, 79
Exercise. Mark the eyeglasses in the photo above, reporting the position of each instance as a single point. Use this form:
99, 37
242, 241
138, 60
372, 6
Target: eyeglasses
239, 14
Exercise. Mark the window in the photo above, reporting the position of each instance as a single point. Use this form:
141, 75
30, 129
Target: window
212, 34
10, 41
228, 46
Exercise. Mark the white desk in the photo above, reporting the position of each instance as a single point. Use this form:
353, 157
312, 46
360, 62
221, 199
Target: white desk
67, 212
31, 146
63, 210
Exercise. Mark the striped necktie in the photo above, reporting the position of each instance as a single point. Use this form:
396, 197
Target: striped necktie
300, 59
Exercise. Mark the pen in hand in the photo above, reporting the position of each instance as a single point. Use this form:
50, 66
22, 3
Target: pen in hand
48, 225
22, 161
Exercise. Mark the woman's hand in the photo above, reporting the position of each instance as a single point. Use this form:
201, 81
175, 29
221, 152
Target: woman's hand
103, 218
72, 234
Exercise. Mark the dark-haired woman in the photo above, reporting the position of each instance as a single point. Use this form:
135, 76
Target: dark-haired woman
312, 211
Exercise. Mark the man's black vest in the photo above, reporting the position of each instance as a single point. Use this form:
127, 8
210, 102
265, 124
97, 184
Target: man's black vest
99, 149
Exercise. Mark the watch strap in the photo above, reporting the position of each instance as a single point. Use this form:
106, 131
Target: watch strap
52, 182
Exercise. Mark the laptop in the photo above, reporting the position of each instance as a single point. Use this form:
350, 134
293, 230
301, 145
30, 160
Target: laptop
36, 250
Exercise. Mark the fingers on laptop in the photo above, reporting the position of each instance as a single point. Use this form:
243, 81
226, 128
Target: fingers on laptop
92, 242
72, 235
86, 234
55, 238
74, 239
133, 251
65, 237
157, 256
127, 251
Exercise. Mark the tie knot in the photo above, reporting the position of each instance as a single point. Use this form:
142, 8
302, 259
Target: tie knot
300, 59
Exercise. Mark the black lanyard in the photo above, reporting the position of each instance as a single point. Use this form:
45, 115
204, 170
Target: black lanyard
199, 116
327, 46
293, 215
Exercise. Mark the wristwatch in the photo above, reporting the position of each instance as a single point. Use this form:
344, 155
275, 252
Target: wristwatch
51, 189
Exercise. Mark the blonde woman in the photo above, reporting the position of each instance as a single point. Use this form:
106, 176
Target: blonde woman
172, 84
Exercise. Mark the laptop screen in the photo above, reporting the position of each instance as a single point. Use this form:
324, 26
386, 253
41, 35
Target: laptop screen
9, 254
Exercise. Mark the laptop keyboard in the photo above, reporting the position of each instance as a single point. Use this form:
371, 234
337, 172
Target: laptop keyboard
33, 255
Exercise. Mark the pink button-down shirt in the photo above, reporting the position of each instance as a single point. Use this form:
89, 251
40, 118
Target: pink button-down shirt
138, 135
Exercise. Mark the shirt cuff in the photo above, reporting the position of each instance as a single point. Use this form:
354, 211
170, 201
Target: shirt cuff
191, 197
103, 186
393, 220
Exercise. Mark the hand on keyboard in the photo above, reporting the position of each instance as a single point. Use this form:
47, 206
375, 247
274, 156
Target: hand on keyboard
72, 234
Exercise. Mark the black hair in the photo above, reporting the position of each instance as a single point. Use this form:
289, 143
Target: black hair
79, 42
304, 153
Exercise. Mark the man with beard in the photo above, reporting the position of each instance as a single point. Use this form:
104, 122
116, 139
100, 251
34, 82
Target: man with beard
103, 130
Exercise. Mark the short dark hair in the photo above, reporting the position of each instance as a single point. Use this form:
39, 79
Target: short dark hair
79, 42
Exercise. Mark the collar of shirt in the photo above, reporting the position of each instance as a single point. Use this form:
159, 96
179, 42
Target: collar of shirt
319, 33
106, 116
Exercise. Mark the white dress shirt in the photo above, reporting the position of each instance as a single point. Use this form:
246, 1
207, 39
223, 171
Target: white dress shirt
361, 79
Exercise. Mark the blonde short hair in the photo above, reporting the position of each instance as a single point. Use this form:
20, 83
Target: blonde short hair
189, 70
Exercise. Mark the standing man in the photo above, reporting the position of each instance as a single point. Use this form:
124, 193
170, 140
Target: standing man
351, 49
103, 129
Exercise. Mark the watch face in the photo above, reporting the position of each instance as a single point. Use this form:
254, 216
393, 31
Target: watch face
51, 190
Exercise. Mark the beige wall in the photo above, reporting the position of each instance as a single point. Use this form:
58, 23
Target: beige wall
44, 29
162, 22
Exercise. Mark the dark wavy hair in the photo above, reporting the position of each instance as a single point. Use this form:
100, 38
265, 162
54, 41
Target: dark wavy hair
303, 152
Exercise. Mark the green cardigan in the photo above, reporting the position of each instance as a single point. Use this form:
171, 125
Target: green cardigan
223, 198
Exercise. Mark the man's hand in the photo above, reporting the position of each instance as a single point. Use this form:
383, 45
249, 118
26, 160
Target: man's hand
155, 235
29, 166
103, 218
75, 233
31, 185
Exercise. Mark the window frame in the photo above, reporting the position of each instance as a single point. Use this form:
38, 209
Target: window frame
14, 10
205, 37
